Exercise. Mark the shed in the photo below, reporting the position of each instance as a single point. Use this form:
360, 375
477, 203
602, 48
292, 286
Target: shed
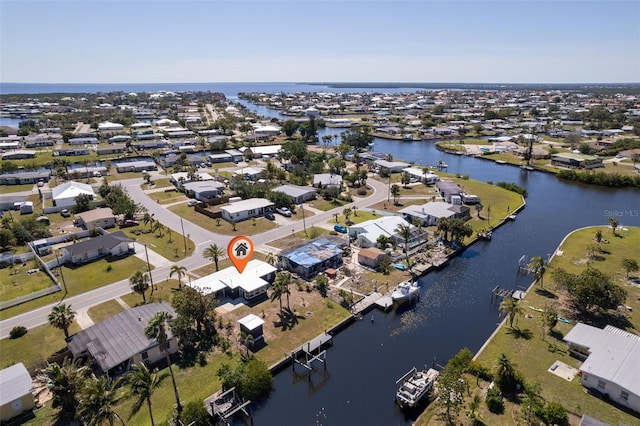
15, 392
252, 324
370, 257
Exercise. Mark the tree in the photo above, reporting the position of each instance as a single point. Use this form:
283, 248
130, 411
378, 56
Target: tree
613, 222
451, 388
548, 319
61, 317
157, 329
6, 239
284, 279
405, 179
395, 191
193, 306
538, 266
444, 226
511, 308
83, 203
597, 236
214, 253
180, 271
629, 265
195, 414
382, 241
97, 401
505, 373
322, 283
404, 231
252, 379
65, 383
347, 215
142, 383
140, 284
592, 289
276, 292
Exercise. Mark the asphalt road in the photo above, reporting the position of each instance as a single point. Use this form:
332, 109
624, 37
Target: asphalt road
201, 237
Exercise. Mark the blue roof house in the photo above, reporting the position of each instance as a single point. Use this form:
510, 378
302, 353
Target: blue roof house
314, 257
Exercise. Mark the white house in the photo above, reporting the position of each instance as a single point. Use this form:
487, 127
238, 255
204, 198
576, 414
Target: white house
391, 166
65, 195
109, 126
429, 213
428, 177
300, 194
16, 395
245, 209
325, 180
611, 362
369, 231
263, 151
252, 283
251, 173
114, 244
204, 190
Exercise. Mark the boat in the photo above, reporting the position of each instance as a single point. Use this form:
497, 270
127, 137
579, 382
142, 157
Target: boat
485, 235
564, 320
533, 308
511, 217
414, 386
406, 290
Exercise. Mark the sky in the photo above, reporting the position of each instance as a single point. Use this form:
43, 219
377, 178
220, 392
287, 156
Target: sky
155, 41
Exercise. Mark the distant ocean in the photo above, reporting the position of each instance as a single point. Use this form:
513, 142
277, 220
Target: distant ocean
228, 89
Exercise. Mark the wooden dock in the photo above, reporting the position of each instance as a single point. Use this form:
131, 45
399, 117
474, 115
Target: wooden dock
366, 303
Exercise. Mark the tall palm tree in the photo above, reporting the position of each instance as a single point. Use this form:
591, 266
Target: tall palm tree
613, 222
284, 279
157, 329
143, 382
97, 401
511, 308
213, 253
538, 266
277, 292
506, 372
65, 383
597, 235
347, 214
140, 284
61, 317
395, 191
444, 225
405, 232
180, 271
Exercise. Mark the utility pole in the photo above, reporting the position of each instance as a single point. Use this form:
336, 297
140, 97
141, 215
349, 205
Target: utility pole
183, 237
61, 276
148, 268
304, 224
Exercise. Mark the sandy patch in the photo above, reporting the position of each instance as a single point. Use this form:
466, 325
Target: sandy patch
563, 370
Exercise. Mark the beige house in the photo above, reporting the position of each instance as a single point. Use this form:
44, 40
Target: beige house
16, 388
97, 218
370, 257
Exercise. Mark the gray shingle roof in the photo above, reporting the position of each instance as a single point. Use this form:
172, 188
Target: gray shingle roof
107, 241
119, 337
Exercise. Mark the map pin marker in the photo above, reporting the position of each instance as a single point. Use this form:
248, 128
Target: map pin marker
239, 251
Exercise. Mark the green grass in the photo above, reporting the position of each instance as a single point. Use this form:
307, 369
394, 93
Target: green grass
245, 227
162, 293
326, 205
160, 245
570, 394
104, 310
168, 197
9, 189
82, 279
15, 282
157, 184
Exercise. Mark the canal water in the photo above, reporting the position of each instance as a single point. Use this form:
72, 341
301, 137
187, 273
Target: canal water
454, 309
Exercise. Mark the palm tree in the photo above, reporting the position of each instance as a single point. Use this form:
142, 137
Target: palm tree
65, 383
613, 222
180, 271
405, 232
213, 253
538, 266
157, 329
395, 191
284, 279
336, 216
247, 340
147, 219
61, 317
597, 236
143, 382
271, 258
140, 284
511, 308
444, 225
277, 292
97, 401
548, 319
347, 215
506, 373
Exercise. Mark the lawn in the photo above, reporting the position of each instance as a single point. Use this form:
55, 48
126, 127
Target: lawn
82, 279
104, 310
168, 197
246, 227
157, 184
164, 245
15, 281
526, 337
161, 293
9, 189
326, 205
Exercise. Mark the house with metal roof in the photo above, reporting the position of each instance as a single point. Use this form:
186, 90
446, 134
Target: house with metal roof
300, 194
250, 284
65, 195
429, 213
119, 342
135, 166
312, 258
448, 189
16, 387
611, 362
576, 160
390, 166
21, 178
246, 209
115, 244
204, 190
368, 232
325, 180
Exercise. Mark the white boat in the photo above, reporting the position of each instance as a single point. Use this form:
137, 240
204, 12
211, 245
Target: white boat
414, 385
406, 290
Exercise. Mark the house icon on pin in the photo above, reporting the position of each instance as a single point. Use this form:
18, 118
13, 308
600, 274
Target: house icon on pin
241, 250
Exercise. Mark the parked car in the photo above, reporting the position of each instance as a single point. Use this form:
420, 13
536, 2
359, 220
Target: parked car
340, 228
284, 211
270, 216
128, 223
65, 213
192, 203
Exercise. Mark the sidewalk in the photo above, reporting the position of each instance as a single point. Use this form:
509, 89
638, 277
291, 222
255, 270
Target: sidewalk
154, 258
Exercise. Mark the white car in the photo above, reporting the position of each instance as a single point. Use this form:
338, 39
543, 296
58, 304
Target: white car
284, 211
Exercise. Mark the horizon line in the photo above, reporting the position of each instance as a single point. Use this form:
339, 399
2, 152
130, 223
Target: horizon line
333, 82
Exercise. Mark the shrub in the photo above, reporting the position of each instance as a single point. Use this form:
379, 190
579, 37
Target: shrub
555, 414
17, 332
361, 191
195, 413
494, 401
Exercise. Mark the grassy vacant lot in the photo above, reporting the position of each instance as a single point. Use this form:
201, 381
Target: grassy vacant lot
157, 184
326, 205
15, 281
533, 355
246, 227
165, 246
82, 279
9, 189
168, 197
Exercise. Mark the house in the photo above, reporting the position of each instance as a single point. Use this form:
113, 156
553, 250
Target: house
610, 364
312, 258
96, 218
204, 190
79, 172
16, 387
390, 166
114, 244
109, 126
250, 173
20, 154
300, 194
70, 152
112, 149
135, 166
251, 284
448, 189
236, 155
576, 161
22, 178
119, 342
429, 213
65, 195
220, 158
25, 207
368, 232
263, 151
119, 138
252, 325
83, 141
326, 180
419, 174
245, 209
370, 257
180, 178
